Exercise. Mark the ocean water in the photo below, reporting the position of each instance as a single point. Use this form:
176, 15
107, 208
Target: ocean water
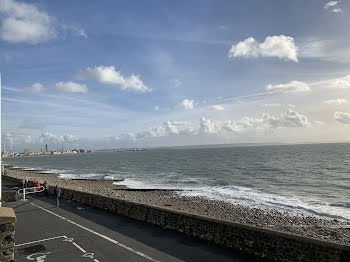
312, 179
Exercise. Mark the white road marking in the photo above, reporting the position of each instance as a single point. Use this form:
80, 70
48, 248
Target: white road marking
37, 241
99, 234
81, 249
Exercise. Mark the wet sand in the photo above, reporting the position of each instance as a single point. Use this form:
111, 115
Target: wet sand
309, 226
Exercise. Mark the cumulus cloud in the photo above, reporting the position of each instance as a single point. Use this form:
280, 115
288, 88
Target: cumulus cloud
218, 107
330, 4
337, 101
71, 87
108, 75
51, 138
293, 86
36, 88
206, 126
337, 10
281, 46
342, 117
23, 22
333, 6
187, 104
231, 126
289, 119
341, 82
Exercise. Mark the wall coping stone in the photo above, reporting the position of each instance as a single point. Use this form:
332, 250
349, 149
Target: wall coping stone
7, 215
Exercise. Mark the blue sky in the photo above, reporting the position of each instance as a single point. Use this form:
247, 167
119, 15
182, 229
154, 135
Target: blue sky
162, 73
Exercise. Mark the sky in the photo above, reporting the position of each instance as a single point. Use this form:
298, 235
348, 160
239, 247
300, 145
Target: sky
114, 74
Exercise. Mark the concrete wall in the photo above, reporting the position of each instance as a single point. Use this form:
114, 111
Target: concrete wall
9, 195
7, 234
249, 239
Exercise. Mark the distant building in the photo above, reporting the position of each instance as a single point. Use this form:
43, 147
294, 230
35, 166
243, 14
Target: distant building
27, 151
46, 148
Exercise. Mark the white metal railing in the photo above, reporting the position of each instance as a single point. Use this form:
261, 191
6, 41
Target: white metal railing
30, 190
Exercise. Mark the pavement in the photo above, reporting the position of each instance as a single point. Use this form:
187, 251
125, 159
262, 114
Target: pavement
75, 232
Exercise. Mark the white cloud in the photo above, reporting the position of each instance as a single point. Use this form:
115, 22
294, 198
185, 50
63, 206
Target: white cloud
156, 108
337, 10
36, 88
281, 46
330, 4
187, 104
249, 122
71, 87
152, 132
218, 107
169, 128
206, 126
333, 7
342, 117
108, 75
293, 86
25, 23
337, 101
289, 119
336, 83
231, 126
51, 138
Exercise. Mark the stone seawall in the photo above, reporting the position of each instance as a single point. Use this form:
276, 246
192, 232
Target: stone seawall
249, 239
7, 234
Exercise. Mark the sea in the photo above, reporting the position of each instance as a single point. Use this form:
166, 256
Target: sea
311, 179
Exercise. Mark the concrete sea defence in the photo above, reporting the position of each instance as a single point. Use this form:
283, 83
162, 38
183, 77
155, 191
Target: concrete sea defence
247, 238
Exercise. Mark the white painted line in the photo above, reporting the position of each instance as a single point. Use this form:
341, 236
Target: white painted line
37, 241
81, 249
99, 234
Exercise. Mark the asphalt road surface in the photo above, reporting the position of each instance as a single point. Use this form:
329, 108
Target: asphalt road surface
75, 232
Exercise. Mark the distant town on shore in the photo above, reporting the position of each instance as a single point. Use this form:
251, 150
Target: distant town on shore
45, 151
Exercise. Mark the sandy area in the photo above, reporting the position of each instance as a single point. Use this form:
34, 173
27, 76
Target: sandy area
309, 226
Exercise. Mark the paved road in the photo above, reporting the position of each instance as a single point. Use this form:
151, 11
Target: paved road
75, 232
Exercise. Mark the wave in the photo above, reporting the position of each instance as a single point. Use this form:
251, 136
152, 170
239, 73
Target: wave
251, 197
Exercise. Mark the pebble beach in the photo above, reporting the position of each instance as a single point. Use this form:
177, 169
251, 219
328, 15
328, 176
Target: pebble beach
298, 224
